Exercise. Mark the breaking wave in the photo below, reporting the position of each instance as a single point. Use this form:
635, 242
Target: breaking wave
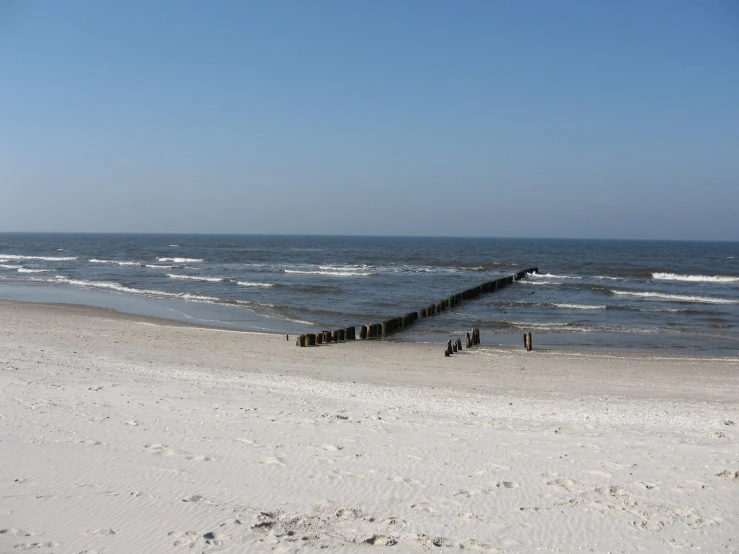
551, 276
43, 258
677, 297
695, 278
181, 260
326, 272
580, 306
202, 278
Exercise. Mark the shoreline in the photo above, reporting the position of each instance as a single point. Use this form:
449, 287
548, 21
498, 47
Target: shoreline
507, 345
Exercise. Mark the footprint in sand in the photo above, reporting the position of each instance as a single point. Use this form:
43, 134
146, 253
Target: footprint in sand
507, 485
159, 449
195, 498
35, 545
563, 483
200, 458
381, 540
728, 474
647, 485
17, 532
90, 442
101, 532
423, 507
332, 447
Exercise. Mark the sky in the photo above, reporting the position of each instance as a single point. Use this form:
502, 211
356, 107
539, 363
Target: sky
579, 119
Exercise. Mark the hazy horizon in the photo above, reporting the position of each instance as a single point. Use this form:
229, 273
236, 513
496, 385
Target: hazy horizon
486, 119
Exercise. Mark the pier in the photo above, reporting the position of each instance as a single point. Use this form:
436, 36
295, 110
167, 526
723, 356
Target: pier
399, 323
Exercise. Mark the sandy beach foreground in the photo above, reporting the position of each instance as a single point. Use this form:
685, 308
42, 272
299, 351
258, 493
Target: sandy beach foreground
123, 434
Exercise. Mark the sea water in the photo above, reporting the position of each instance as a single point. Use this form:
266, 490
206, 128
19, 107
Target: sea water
607, 294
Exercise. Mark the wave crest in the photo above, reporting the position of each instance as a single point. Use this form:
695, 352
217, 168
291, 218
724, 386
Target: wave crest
695, 278
181, 260
43, 258
677, 297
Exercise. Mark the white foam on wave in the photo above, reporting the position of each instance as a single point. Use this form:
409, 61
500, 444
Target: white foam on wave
677, 297
8, 266
608, 278
31, 270
43, 258
551, 276
539, 325
181, 260
580, 306
695, 278
116, 262
111, 285
329, 273
250, 284
202, 278
526, 282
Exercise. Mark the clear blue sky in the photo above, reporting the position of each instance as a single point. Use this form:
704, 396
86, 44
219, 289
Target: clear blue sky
495, 118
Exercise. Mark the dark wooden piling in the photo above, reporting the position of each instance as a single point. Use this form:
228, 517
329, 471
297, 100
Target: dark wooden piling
310, 339
363, 332
301, 340
319, 338
527, 341
350, 333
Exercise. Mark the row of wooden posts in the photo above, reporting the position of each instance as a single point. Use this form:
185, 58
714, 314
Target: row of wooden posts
473, 338
392, 325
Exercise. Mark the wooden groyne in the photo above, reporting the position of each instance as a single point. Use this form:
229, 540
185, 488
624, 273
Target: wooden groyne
396, 324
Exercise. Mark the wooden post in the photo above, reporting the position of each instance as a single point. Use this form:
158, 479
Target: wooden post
351, 333
363, 332
459, 345
454, 346
528, 343
340, 335
310, 339
301, 340
319, 338
449, 346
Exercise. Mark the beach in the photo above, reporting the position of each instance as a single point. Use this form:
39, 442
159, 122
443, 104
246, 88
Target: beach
123, 433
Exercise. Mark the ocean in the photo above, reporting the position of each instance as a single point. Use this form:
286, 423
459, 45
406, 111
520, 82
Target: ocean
680, 297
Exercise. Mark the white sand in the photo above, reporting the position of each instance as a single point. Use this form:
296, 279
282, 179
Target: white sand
122, 435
